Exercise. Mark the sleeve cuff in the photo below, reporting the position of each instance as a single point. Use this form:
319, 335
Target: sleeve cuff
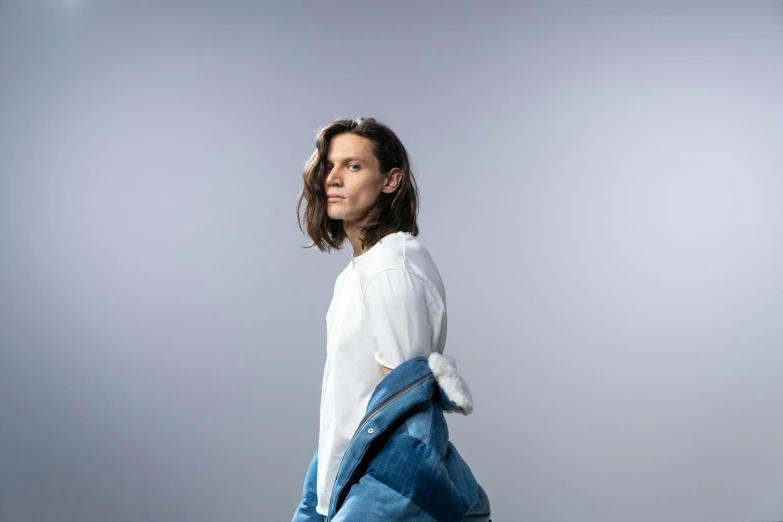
384, 363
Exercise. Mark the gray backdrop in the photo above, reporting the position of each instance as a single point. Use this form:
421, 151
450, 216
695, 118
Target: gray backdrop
600, 188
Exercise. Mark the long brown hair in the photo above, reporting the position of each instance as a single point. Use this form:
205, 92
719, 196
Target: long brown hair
391, 212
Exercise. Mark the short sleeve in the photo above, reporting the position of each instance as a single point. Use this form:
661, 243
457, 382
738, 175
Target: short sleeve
402, 313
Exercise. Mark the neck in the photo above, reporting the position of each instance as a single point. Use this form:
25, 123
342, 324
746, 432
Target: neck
353, 231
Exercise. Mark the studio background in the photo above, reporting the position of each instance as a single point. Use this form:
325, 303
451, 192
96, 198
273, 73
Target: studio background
600, 188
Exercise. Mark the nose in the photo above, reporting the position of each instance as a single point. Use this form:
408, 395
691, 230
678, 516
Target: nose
330, 179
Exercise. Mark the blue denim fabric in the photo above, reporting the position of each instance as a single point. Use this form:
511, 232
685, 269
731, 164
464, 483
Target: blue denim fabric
306, 512
400, 464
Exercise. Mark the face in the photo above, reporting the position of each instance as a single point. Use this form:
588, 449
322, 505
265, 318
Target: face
353, 173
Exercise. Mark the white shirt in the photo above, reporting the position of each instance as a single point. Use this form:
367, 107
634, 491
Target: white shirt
389, 306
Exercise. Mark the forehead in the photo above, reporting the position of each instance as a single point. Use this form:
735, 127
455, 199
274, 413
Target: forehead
350, 146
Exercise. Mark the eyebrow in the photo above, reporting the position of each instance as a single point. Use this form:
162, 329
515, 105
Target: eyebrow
349, 158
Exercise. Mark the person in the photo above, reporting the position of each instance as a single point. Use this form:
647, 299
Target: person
387, 317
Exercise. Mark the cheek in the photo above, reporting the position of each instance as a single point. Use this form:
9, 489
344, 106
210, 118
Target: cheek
361, 196
366, 200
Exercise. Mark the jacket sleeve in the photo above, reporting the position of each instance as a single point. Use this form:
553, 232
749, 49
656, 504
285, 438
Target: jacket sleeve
407, 480
370, 500
306, 512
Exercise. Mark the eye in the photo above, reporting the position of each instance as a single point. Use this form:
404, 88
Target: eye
354, 165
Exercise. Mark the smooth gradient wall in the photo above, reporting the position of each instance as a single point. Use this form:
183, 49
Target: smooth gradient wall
601, 187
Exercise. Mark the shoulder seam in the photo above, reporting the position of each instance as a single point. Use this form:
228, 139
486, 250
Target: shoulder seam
427, 284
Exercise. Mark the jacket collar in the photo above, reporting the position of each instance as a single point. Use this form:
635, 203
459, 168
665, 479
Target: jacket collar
452, 389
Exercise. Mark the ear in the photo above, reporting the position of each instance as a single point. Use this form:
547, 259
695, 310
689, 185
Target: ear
393, 179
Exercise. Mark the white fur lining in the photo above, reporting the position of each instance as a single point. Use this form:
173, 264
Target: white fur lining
444, 368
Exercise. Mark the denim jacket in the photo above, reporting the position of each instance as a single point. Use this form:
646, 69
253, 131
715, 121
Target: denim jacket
400, 464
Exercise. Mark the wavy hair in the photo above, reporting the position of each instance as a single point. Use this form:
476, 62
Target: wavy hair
391, 212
